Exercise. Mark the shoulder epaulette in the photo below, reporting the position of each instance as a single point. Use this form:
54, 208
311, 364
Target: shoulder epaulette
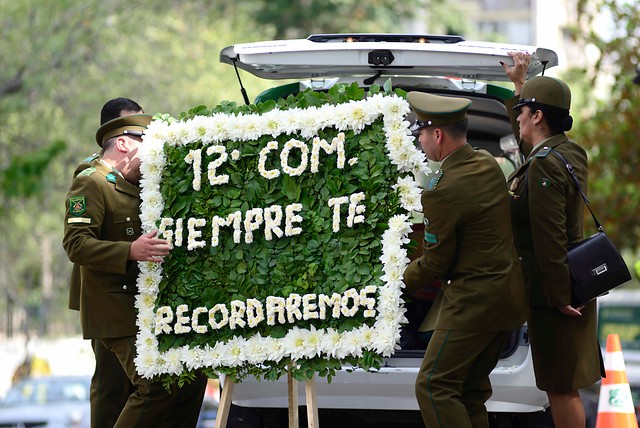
543, 152
87, 171
91, 158
434, 179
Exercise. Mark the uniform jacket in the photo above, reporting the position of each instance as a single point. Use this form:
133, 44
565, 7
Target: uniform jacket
547, 215
101, 221
75, 281
469, 247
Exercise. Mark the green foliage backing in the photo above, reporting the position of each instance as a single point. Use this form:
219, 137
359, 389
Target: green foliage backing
316, 261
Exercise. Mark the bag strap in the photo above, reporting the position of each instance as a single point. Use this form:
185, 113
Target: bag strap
572, 173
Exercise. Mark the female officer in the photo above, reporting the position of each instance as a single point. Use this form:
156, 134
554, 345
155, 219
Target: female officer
547, 212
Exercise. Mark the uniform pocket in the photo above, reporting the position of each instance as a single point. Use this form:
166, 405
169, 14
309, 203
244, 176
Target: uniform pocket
127, 225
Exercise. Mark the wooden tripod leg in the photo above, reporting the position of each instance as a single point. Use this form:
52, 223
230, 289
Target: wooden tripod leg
312, 403
225, 403
293, 400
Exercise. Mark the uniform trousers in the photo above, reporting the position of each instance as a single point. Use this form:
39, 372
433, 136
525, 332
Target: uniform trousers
150, 404
110, 387
453, 382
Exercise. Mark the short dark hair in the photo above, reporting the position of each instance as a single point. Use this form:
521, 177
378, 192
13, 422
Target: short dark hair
456, 130
114, 108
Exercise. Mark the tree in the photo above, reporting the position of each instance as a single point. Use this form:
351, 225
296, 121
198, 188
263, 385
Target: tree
610, 127
63, 59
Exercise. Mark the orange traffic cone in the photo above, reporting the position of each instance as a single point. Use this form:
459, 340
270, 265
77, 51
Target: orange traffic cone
615, 406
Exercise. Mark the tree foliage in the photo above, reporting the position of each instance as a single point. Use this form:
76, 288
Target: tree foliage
609, 125
63, 59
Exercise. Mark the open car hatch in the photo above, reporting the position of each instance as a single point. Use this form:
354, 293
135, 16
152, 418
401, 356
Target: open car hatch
337, 55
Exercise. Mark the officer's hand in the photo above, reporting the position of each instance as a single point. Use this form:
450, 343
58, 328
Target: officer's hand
517, 73
571, 311
148, 248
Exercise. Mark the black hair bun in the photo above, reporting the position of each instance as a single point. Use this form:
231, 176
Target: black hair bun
567, 123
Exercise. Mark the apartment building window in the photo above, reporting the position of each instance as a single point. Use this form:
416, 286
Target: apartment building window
498, 5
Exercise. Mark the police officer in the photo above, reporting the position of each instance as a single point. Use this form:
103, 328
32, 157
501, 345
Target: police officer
110, 386
468, 246
547, 215
103, 235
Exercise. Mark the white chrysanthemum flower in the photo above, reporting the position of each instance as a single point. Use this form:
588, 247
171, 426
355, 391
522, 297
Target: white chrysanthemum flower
358, 116
256, 351
313, 342
152, 200
331, 342
351, 344
395, 108
193, 358
290, 121
146, 341
217, 128
148, 282
274, 349
234, 354
409, 193
399, 223
146, 364
172, 361
309, 123
272, 123
295, 343
213, 356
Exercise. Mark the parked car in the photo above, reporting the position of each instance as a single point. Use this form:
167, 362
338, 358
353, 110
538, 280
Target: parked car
446, 65
50, 401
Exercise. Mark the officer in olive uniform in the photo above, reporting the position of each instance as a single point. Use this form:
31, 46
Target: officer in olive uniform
103, 235
109, 394
468, 246
547, 214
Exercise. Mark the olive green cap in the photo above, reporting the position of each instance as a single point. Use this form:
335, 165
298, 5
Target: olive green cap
133, 124
436, 110
545, 90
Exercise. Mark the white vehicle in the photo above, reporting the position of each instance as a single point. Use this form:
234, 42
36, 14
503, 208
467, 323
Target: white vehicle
438, 64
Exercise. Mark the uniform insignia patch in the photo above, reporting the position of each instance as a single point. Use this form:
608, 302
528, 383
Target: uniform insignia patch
129, 231
77, 205
431, 238
434, 180
111, 178
87, 171
544, 182
74, 220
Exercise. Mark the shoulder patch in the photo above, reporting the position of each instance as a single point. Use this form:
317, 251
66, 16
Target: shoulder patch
111, 178
77, 205
87, 171
434, 180
543, 152
91, 158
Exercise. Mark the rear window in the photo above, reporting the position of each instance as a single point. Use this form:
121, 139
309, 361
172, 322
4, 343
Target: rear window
622, 320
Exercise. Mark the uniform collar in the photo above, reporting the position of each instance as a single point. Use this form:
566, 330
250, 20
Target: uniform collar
458, 154
552, 142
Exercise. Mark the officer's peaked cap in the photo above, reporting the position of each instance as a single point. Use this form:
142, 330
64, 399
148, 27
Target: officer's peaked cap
133, 124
